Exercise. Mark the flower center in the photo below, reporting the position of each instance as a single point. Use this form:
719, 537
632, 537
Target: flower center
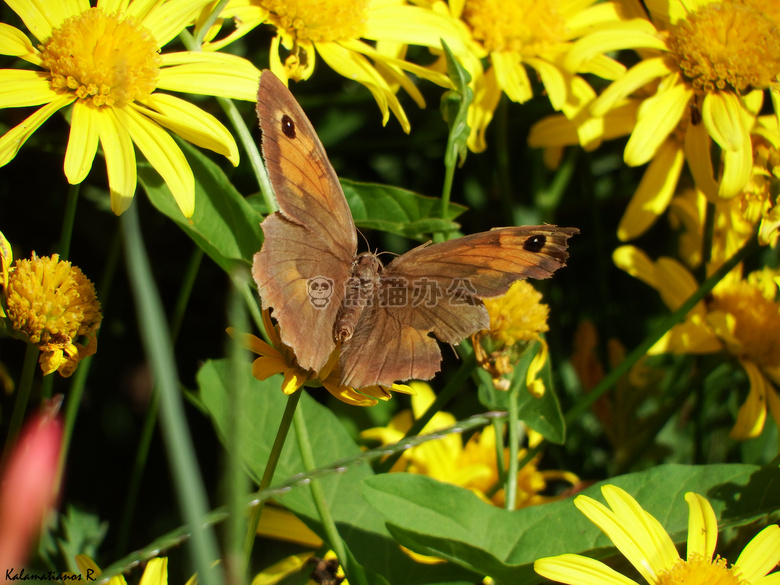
52, 303
701, 571
727, 46
106, 59
528, 27
320, 20
757, 318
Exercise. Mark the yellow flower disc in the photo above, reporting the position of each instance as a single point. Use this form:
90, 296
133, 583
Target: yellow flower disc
52, 303
700, 571
757, 321
320, 20
519, 315
526, 27
106, 59
727, 46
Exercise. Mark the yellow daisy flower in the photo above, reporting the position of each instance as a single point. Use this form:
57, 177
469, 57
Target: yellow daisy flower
334, 29
50, 304
647, 546
742, 318
516, 319
707, 64
105, 61
277, 358
472, 466
528, 33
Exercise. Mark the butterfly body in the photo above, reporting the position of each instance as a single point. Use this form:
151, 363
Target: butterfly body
363, 282
386, 319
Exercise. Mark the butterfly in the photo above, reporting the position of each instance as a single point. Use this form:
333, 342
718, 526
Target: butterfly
323, 293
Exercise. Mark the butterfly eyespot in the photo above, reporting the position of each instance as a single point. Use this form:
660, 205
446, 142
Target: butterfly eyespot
288, 126
535, 243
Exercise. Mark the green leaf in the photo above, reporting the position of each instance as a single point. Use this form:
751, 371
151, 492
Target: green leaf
224, 225
434, 518
397, 211
541, 414
359, 524
454, 109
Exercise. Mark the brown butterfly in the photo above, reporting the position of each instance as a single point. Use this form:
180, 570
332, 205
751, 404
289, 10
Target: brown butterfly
323, 292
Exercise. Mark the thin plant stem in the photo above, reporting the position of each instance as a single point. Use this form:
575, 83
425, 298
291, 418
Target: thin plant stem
152, 409
510, 489
449, 390
585, 402
68, 219
155, 337
234, 480
205, 25
250, 146
23, 393
270, 468
79, 379
353, 569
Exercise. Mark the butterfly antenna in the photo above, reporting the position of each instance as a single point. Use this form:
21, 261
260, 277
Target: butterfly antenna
368, 246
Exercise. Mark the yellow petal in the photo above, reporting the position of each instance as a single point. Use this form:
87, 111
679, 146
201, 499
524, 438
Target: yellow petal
15, 43
82, 142
245, 16
636, 263
12, 141
657, 117
423, 398
217, 74
702, 527
698, 156
41, 16
655, 191
511, 76
555, 81
21, 88
632, 34
192, 124
647, 545
281, 569
579, 570
637, 77
120, 160
675, 282
487, 93
281, 524
156, 572
752, 414
349, 395
167, 19
163, 154
760, 556
737, 169
721, 114
692, 336
266, 366
413, 25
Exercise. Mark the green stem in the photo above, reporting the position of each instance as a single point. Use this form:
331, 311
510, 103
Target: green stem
79, 379
188, 484
68, 219
22, 397
255, 160
152, 410
204, 26
452, 386
353, 570
510, 491
270, 468
585, 402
